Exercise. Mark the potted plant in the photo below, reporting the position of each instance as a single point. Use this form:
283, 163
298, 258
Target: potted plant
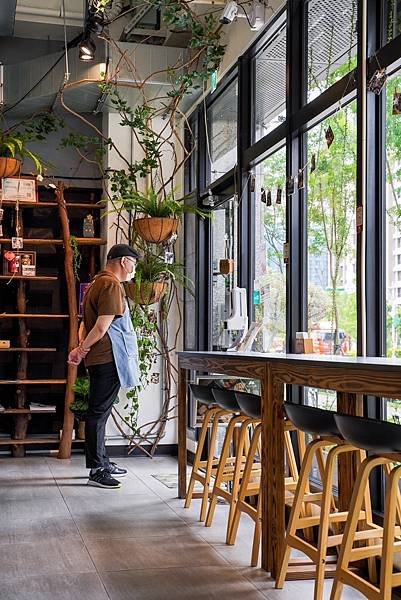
160, 213
14, 142
151, 279
81, 403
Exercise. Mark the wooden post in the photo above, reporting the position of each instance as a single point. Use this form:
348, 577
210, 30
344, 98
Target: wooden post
350, 404
68, 423
21, 421
182, 432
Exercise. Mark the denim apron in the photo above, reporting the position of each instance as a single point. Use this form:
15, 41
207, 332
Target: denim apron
125, 350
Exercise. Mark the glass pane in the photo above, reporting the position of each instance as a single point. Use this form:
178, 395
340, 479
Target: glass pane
270, 271
224, 255
393, 18
331, 201
332, 42
270, 85
331, 234
393, 232
222, 133
393, 221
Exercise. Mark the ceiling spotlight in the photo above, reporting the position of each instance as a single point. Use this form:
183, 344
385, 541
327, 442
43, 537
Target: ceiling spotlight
229, 13
86, 49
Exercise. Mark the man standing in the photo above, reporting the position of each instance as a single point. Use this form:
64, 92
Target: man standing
109, 346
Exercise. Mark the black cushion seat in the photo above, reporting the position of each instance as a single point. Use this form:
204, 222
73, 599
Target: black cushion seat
202, 394
226, 399
309, 419
250, 404
380, 437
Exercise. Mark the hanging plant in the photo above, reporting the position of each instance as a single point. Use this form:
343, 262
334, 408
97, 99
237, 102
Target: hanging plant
144, 324
77, 256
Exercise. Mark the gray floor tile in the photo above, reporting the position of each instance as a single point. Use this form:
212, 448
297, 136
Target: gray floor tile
32, 530
108, 501
81, 586
161, 521
45, 557
200, 583
152, 552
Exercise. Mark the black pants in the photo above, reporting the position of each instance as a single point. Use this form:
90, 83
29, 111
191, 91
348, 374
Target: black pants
104, 387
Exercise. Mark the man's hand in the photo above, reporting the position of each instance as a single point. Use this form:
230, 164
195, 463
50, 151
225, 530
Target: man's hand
76, 355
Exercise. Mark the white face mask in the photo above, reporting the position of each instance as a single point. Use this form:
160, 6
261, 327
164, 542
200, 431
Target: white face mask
129, 275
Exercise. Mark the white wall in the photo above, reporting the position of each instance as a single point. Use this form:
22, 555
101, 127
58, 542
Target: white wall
151, 398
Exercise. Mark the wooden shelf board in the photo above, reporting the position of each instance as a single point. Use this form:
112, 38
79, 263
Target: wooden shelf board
12, 442
32, 316
55, 242
36, 278
28, 349
87, 205
26, 411
32, 381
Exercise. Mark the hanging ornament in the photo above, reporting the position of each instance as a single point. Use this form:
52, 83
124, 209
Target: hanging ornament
290, 185
396, 103
155, 378
313, 163
301, 182
329, 135
263, 197
168, 257
17, 243
279, 195
377, 81
269, 198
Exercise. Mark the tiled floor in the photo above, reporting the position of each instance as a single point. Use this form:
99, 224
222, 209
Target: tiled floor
63, 540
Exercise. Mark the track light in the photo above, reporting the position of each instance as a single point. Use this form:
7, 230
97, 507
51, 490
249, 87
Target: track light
86, 49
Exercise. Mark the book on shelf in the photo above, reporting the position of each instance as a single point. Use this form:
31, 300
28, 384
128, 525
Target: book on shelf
39, 406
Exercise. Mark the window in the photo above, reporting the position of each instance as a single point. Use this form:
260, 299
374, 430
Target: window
331, 42
269, 84
393, 8
331, 201
224, 226
222, 132
269, 296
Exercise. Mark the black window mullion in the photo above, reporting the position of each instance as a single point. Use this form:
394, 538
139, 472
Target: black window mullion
295, 271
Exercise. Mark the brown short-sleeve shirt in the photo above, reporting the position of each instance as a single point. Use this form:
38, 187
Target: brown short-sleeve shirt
104, 297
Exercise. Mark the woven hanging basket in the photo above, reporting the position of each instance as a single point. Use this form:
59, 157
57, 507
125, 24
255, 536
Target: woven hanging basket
9, 166
155, 229
147, 292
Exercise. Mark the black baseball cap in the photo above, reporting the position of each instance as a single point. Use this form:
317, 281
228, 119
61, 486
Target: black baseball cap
119, 250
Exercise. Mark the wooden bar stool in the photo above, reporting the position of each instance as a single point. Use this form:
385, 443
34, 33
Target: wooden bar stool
251, 479
204, 470
231, 465
322, 425
384, 440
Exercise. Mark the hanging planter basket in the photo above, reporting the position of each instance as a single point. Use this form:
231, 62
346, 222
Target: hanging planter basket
148, 292
155, 229
9, 166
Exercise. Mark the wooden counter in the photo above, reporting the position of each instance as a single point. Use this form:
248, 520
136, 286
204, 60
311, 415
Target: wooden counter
350, 377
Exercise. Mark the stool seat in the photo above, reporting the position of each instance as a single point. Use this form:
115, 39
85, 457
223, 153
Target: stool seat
226, 399
250, 404
380, 437
203, 394
309, 419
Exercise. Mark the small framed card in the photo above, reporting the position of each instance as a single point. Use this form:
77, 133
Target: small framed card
19, 189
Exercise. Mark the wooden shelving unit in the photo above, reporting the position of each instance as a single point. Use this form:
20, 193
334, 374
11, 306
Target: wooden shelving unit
54, 242
17, 410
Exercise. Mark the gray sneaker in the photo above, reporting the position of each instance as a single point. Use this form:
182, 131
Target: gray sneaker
116, 471
103, 479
